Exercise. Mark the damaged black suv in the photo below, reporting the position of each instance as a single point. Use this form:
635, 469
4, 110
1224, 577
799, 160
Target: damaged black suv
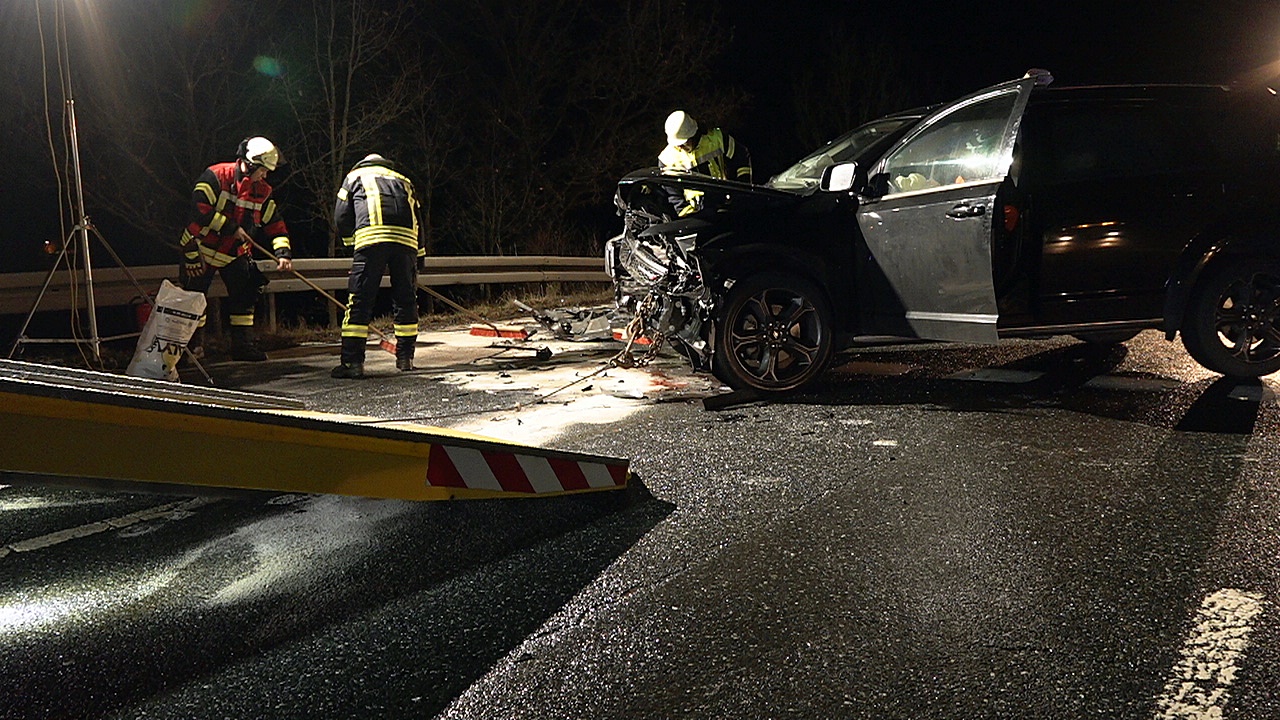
1022, 210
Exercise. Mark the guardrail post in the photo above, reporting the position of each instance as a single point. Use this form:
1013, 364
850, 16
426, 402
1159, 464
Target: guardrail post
271, 313
213, 317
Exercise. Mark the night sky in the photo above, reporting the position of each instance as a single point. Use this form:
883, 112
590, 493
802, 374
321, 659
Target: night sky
937, 51
948, 49
964, 45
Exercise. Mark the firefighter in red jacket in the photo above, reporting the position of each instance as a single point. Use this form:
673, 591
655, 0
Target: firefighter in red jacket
377, 215
232, 207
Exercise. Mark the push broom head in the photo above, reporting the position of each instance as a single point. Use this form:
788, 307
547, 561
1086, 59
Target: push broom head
501, 331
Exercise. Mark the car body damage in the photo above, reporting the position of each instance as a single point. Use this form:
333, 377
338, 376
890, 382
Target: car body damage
664, 267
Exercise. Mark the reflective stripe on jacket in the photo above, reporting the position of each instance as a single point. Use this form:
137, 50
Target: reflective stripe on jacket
377, 204
714, 153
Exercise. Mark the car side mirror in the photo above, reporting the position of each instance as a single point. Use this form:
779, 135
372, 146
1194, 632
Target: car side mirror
841, 177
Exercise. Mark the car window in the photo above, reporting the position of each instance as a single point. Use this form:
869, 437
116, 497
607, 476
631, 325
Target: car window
962, 146
850, 146
1246, 129
1093, 141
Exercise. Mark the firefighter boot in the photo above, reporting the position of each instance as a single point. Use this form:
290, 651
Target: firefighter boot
404, 353
352, 365
244, 346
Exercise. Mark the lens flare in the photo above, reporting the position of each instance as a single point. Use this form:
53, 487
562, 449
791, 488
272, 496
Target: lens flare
269, 66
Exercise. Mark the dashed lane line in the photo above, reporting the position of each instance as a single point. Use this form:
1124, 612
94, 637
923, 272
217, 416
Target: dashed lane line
997, 375
154, 513
1261, 394
1198, 687
1132, 384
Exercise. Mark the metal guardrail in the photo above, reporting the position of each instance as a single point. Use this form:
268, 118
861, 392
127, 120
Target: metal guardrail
112, 286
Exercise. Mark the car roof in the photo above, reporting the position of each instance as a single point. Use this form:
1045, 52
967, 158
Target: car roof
1166, 91
911, 113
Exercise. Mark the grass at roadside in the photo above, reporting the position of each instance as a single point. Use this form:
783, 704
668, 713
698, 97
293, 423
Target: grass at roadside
499, 310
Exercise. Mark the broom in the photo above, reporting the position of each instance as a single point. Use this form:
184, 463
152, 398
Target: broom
384, 342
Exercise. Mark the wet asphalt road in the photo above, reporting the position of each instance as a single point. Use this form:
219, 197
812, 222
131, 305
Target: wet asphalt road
1033, 530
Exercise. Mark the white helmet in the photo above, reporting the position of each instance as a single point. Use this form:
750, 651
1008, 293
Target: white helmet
680, 127
260, 151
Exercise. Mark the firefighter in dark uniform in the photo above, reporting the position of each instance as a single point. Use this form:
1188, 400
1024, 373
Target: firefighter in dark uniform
377, 214
712, 152
232, 205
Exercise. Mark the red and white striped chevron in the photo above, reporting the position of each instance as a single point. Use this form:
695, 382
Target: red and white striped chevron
462, 467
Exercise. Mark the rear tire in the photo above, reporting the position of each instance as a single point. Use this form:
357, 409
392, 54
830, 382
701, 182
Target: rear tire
1232, 324
775, 334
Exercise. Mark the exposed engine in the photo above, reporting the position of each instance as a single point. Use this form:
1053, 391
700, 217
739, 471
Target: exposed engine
659, 283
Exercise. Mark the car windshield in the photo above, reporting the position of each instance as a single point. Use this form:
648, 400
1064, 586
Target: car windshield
806, 174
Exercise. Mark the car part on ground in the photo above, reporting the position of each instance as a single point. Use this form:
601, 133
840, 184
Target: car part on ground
574, 324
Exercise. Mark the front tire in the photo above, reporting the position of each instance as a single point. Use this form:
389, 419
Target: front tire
775, 334
1232, 325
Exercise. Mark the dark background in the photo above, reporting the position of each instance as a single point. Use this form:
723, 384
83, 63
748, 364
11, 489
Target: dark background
782, 77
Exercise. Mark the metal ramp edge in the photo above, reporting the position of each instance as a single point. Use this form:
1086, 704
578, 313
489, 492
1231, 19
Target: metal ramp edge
83, 424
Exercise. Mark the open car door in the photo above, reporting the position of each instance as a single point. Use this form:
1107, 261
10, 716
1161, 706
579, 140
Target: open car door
930, 225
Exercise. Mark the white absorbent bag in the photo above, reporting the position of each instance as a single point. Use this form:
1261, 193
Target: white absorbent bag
173, 321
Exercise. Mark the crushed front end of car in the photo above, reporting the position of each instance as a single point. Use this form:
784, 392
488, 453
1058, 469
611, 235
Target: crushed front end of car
660, 288
669, 271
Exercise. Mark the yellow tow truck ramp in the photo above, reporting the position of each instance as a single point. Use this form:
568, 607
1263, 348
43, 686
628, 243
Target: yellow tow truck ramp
90, 425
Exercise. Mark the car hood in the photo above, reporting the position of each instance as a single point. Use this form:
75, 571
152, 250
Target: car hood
718, 193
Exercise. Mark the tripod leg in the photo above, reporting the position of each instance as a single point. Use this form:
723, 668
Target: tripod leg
146, 296
62, 256
205, 373
120, 263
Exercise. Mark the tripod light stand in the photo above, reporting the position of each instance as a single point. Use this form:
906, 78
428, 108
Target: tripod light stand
80, 232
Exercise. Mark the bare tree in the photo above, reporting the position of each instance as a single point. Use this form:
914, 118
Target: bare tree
563, 97
431, 133
515, 117
163, 101
853, 79
33, 122
365, 76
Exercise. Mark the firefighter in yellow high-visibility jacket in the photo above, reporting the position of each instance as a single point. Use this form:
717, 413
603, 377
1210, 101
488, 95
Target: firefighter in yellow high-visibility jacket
691, 150
377, 215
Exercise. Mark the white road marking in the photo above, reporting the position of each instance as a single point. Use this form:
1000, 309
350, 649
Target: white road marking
179, 509
1132, 384
1253, 393
1198, 687
997, 375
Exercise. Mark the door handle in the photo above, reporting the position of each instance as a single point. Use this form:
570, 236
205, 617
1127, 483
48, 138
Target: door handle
967, 210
